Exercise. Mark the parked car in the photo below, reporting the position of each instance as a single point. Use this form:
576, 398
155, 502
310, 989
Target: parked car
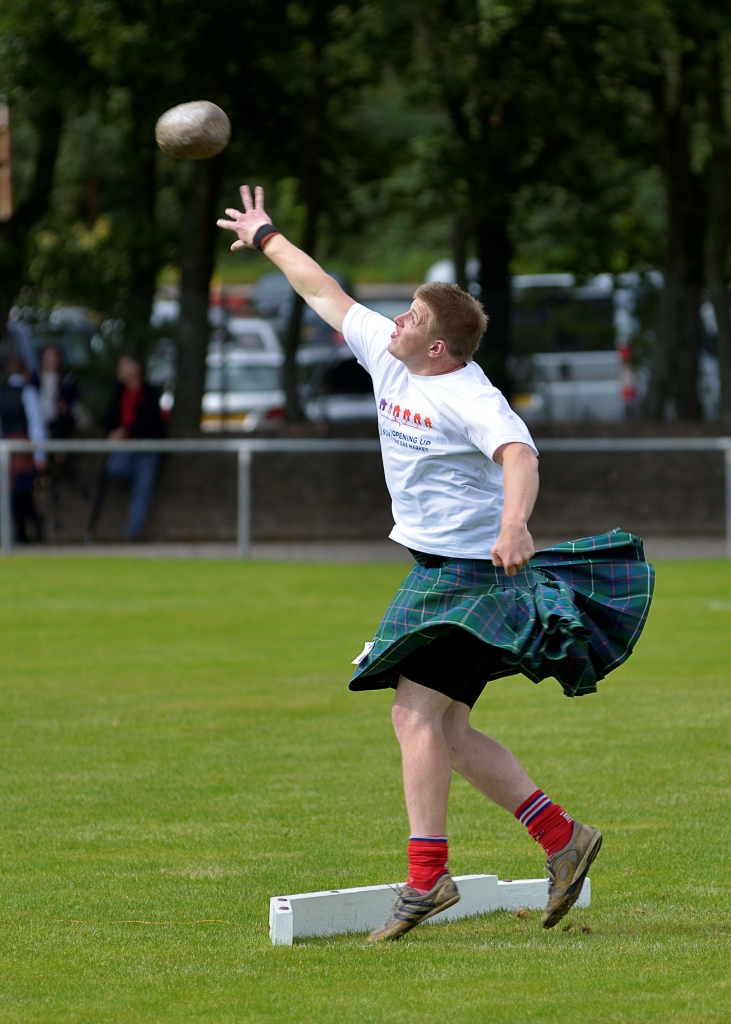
340, 389
243, 389
576, 386
250, 335
272, 299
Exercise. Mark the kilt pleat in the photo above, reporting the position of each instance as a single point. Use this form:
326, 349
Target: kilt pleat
574, 613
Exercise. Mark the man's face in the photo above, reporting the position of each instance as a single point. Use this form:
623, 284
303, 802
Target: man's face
51, 360
129, 372
410, 341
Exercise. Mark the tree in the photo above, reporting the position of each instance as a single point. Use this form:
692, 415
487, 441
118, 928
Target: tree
667, 58
514, 81
122, 210
197, 260
667, 69
156, 59
719, 205
327, 53
34, 38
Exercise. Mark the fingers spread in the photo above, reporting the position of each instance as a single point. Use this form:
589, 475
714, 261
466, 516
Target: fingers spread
246, 198
226, 224
230, 212
238, 245
259, 197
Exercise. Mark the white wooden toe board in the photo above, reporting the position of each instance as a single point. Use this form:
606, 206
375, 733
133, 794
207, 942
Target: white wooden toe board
337, 911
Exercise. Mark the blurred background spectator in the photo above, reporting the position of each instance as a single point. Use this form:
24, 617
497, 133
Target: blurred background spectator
21, 418
133, 413
58, 394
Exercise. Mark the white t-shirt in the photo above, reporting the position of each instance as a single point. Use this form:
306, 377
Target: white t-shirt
438, 437
50, 381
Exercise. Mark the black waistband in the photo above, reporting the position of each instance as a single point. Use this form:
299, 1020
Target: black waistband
428, 561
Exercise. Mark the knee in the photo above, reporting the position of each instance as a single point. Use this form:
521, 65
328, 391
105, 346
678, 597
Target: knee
409, 722
403, 720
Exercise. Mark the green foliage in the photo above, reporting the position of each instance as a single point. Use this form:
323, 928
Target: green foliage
540, 135
179, 745
620, 228
84, 252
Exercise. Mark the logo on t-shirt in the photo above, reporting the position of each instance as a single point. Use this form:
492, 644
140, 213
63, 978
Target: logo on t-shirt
393, 411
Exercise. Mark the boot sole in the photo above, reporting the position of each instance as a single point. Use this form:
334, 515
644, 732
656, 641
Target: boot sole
432, 913
574, 890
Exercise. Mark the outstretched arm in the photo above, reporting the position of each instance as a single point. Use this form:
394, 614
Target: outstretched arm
318, 289
514, 547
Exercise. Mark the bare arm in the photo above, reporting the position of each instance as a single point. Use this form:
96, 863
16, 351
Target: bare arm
514, 546
318, 289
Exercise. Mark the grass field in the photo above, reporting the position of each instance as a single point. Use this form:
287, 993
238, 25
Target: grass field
178, 744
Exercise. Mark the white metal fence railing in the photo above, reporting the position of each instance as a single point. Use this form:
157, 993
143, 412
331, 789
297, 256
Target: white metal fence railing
244, 449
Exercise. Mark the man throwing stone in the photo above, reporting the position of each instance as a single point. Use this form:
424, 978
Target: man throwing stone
480, 603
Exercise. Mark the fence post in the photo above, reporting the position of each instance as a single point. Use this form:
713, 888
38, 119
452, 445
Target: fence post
244, 503
6, 540
727, 461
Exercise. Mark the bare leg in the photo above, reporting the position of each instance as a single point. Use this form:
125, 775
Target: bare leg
417, 715
485, 763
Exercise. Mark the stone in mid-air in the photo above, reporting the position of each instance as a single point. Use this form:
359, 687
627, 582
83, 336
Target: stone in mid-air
193, 131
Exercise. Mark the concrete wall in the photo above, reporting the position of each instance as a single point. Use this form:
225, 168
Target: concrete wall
648, 493
343, 496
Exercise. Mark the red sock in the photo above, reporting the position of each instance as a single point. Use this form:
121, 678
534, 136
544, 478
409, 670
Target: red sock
546, 822
428, 856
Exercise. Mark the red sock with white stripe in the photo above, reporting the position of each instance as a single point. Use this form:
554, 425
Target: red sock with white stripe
546, 822
428, 861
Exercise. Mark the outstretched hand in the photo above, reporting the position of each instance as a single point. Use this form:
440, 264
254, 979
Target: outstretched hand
246, 224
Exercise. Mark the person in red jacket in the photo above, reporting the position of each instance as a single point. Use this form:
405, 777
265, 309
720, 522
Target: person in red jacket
134, 413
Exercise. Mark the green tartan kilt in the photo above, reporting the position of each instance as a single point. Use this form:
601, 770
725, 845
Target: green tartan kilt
575, 613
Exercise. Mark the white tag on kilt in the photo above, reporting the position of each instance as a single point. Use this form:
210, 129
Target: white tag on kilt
364, 653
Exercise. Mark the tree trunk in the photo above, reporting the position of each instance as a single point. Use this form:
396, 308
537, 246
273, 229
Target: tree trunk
674, 376
293, 409
719, 217
15, 233
141, 234
461, 230
674, 369
197, 260
494, 251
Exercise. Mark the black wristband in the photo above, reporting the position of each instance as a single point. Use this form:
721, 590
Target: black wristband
263, 233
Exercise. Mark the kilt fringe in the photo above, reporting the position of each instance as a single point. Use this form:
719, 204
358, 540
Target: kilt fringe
574, 613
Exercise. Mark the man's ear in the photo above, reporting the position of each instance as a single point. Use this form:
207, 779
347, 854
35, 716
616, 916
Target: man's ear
437, 349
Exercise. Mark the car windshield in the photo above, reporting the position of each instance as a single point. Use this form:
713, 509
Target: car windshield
239, 377
249, 341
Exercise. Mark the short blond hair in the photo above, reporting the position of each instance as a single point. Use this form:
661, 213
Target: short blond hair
455, 317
